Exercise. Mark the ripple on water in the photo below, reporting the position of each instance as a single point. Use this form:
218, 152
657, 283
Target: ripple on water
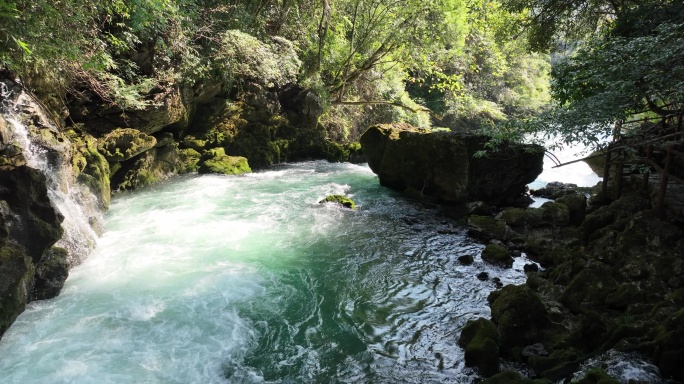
218, 279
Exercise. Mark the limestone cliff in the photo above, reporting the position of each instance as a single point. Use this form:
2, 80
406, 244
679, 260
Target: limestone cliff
442, 166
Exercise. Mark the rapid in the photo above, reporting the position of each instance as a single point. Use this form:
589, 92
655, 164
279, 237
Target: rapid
248, 279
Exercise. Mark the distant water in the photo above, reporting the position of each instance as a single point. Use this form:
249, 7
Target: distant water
577, 173
220, 279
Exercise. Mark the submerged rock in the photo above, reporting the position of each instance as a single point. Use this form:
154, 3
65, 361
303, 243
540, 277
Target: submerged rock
497, 255
341, 200
442, 166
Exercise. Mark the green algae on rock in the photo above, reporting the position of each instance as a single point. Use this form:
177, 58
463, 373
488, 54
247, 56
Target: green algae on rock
480, 339
341, 200
125, 143
498, 255
216, 161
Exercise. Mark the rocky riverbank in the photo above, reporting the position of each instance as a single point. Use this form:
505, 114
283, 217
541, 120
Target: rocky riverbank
611, 280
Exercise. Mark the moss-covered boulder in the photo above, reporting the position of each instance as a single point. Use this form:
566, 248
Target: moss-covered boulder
341, 200
152, 166
555, 213
498, 255
520, 316
188, 160
577, 207
89, 166
486, 228
480, 339
443, 165
561, 363
124, 143
589, 288
216, 161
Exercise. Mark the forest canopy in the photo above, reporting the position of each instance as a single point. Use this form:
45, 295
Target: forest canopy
461, 64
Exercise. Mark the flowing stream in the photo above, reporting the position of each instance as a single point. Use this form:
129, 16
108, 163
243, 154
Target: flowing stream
220, 279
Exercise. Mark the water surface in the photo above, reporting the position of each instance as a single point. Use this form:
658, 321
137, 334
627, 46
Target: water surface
224, 279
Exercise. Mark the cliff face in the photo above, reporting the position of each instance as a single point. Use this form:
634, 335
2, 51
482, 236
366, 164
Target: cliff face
441, 165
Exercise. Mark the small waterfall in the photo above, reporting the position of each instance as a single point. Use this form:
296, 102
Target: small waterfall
47, 150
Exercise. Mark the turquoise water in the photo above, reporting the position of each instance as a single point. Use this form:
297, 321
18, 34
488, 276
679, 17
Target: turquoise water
224, 279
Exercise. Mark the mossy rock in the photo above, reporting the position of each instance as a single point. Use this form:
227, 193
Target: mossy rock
466, 259
558, 365
486, 228
497, 255
577, 207
16, 281
520, 217
341, 200
193, 143
50, 274
589, 288
480, 338
596, 376
669, 352
216, 161
125, 143
555, 213
519, 315
188, 160
512, 377
90, 167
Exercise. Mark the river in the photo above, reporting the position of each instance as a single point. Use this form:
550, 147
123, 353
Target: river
248, 279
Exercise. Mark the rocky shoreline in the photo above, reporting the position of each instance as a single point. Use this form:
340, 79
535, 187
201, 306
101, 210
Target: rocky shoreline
611, 280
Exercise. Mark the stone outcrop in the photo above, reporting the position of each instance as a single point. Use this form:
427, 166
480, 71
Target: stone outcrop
611, 280
443, 166
29, 226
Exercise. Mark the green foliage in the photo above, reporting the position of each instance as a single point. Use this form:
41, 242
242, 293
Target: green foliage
244, 56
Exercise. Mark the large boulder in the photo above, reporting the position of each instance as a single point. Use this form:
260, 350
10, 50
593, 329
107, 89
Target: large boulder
443, 166
125, 143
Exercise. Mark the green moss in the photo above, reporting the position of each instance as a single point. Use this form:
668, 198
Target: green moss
486, 228
520, 316
125, 143
216, 161
497, 255
188, 160
589, 288
339, 199
555, 213
480, 339
90, 167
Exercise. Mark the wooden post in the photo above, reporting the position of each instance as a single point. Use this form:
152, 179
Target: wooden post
665, 180
647, 175
619, 165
